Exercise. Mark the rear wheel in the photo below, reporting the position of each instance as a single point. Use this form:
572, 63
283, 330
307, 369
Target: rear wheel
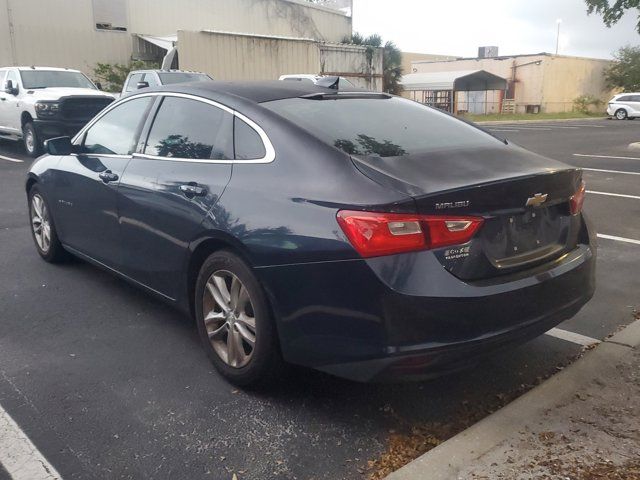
31, 140
234, 321
43, 229
621, 114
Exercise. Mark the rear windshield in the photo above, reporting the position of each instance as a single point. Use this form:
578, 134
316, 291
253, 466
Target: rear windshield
181, 77
53, 78
387, 127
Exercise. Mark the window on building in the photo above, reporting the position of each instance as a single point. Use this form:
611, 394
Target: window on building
110, 15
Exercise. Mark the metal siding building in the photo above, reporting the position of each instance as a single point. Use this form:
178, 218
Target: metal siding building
63, 33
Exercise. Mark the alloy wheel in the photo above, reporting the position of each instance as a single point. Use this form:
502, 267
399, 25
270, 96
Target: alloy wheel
229, 318
30, 141
40, 223
621, 114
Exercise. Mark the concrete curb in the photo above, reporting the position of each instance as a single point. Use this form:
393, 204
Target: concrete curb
554, 120
447, 460
634, 146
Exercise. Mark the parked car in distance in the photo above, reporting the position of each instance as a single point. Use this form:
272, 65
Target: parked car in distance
298, 224
138, 79
624, 106
37, 103
338, 83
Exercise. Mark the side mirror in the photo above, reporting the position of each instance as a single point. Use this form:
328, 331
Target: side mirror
140, 85
99, 85
9, 88
59, 146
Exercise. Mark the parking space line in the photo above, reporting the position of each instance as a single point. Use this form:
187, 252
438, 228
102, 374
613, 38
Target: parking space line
605, 156
572, 337
635, 197
18, 456
610, 171
618, 239
9, 159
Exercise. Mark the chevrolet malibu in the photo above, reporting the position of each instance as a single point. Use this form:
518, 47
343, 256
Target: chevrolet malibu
357, 233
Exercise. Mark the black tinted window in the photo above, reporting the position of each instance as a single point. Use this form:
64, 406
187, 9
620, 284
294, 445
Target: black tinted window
116, 133
186, 128
387, 127
248, 143
626, 98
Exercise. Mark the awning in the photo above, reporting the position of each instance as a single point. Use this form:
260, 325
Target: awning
459, 80
165, 42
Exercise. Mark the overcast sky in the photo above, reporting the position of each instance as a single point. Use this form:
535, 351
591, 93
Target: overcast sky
516, 26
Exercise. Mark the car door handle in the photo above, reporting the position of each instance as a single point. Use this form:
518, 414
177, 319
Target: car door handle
108, 176
192, 189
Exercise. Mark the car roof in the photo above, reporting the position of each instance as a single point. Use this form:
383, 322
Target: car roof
258, 92
157, 70
56, 69
626, 93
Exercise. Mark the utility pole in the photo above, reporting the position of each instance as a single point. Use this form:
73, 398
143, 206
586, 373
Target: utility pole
559, 22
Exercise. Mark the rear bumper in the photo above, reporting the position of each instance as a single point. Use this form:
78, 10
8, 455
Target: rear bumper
405, 315
46, 129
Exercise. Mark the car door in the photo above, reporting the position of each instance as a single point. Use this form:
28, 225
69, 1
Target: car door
9, 111
86, 183
169, 187
634, 103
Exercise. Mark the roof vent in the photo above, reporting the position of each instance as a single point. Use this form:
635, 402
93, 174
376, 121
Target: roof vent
487, 52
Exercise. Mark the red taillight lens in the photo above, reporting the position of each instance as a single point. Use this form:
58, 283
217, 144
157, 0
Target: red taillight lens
376, 234
577, 200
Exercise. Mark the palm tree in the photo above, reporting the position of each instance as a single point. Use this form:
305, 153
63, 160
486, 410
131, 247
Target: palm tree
391, 59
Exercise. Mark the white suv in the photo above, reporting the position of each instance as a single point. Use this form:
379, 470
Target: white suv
624, 106
37, 103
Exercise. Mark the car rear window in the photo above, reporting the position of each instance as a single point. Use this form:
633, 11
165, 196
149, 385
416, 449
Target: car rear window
386, 127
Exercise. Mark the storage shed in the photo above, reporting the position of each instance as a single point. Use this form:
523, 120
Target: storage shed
473, 91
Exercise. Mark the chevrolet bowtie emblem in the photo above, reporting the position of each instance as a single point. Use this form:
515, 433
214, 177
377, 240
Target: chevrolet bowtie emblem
537, 200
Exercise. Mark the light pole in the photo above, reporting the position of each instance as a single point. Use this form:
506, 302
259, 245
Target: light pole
559, 22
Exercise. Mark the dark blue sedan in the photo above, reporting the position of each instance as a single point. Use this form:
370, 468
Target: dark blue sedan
354, 232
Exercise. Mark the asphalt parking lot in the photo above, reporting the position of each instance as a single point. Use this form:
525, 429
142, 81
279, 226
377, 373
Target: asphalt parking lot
109, 383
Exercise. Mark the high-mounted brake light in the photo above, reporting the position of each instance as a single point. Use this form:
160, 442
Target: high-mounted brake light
375, 234
577, 199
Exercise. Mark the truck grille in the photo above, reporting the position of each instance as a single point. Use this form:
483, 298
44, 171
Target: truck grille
83, 108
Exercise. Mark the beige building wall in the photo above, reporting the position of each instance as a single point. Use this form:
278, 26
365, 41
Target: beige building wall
243, 57
409, 57
61, 33
551, 81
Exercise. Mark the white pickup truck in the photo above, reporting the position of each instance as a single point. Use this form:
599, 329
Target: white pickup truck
37, 103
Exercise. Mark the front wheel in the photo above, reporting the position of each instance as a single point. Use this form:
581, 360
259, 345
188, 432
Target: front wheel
43, 229
621, 114
31, 140
235, 323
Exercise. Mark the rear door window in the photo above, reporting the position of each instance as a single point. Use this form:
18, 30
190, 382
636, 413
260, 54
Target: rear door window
117, 132
379, 126
185, 128
625, 98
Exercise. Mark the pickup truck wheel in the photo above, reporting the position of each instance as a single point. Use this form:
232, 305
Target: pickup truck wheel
31, 140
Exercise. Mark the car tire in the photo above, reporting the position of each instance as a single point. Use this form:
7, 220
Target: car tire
621, 114
43, 229
235, 323
30, 140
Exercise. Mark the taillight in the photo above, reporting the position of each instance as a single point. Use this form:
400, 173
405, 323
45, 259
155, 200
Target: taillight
375, 234
577, 199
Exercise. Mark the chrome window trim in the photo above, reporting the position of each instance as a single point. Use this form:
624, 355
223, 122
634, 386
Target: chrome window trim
270, 153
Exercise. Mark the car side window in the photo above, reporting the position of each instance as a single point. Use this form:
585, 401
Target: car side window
248, 144
150, 78
13, 76
626, 98
117, 132
185, 128
132, 84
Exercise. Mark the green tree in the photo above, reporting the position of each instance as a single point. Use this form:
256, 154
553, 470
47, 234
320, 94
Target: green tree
624, 73
612, 12
391, 59
113, 75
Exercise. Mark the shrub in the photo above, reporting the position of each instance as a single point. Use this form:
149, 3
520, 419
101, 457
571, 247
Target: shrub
584, 103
